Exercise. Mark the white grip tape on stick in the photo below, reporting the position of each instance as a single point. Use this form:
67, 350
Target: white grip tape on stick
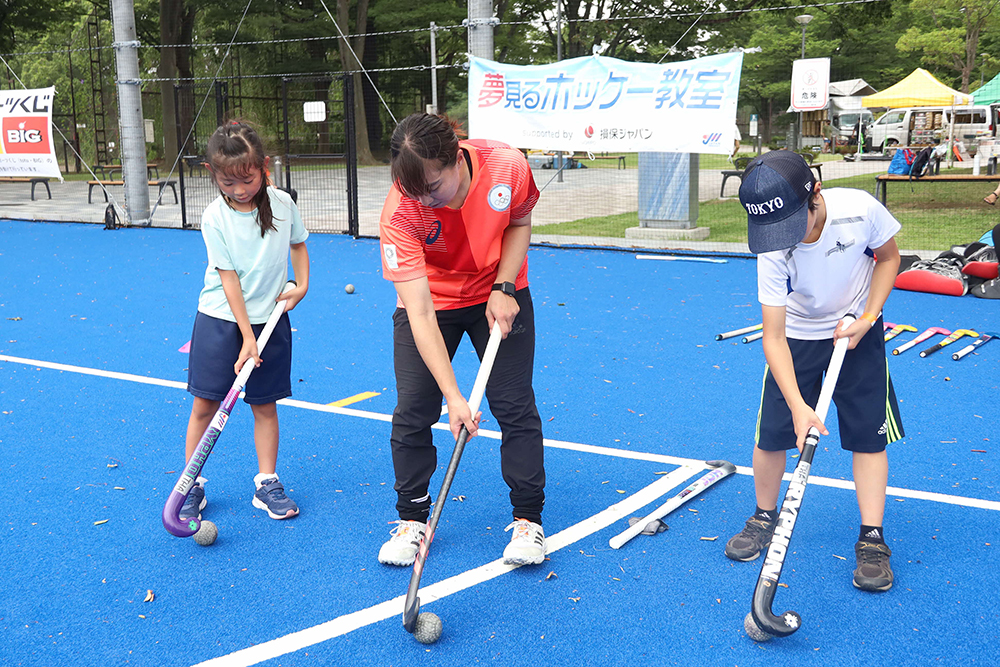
485, 367
832, 374
265, 335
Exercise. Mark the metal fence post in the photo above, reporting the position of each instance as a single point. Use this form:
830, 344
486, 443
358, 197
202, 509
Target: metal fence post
353, 219
284, 111
180, 153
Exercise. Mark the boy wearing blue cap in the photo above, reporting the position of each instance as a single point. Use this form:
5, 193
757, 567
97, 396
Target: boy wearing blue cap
821, 256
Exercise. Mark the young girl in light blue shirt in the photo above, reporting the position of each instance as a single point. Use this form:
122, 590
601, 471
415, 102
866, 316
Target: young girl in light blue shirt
249, 232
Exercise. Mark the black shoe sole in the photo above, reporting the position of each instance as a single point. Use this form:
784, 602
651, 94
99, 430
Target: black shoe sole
871, 589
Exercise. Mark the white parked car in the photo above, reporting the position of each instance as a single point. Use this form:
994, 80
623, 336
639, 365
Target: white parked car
915, 125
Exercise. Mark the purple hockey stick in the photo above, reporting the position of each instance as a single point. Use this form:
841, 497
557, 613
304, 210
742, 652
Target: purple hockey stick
172, 508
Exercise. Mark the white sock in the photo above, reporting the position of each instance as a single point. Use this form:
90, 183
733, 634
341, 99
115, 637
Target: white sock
260, 478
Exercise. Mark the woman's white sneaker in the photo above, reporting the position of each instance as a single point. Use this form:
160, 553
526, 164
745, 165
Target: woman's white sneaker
401, 549
527, 545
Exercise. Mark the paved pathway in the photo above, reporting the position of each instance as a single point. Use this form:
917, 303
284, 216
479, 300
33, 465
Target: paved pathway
583, 193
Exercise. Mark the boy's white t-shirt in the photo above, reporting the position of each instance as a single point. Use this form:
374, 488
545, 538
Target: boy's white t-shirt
234, 243
818, 283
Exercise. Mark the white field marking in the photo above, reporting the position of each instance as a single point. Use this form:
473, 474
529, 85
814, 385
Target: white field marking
555, 444
682, 258
302, 639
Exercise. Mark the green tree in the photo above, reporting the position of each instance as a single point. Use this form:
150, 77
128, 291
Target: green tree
946, 33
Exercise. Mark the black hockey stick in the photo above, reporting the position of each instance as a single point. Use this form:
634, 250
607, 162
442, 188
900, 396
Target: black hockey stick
761, 624
412, 606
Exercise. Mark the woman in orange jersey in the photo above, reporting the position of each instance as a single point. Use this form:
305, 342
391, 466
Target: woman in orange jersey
455, 231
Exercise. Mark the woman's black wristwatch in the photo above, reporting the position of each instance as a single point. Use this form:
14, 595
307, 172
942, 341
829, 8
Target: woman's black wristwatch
505, 287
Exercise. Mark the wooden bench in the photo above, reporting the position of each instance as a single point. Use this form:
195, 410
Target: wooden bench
34, 180
882, 180
583, 157
108, 170
620, 158
741, 165
160, 185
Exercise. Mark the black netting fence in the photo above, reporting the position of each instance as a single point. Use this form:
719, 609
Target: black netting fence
271, 77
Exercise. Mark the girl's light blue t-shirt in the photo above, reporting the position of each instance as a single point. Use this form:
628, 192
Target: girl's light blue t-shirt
234, 243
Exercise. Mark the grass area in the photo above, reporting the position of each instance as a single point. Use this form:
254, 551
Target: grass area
934, 216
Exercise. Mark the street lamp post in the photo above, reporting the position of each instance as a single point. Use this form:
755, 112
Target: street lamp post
803, 20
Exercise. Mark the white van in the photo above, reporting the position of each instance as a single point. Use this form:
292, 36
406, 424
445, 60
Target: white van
847, 121
920, 125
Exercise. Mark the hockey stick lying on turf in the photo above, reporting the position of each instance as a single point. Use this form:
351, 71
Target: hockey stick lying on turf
986, 337
738, 332
761, 624
172, 508
955, 335
896, 329
723, 469
927, 333
412, 605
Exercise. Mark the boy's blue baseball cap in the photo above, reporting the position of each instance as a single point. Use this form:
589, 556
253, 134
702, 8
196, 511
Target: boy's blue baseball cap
775, 192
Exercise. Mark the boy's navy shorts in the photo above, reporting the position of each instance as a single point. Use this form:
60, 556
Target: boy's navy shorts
867, 409
215, 347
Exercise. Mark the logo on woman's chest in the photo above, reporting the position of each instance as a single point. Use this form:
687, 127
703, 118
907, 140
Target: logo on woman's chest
499, 197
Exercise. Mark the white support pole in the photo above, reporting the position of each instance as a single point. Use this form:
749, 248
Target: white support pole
480, 24
434, 74
131, 130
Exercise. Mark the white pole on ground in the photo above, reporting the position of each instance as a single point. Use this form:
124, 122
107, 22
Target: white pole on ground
131, 129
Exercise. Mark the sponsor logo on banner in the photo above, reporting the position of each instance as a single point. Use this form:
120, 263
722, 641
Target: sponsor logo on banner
26, 134
26, 143
596, 103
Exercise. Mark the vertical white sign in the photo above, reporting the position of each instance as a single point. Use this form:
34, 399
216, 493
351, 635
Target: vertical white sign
810, 84
27, 147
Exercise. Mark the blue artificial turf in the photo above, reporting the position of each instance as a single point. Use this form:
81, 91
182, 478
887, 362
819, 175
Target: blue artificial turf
626, 360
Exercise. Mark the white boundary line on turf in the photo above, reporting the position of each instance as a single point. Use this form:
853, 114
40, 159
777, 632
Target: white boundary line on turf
342, 625
555, 444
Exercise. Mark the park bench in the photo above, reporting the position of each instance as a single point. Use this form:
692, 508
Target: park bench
882, 180
107, 171
34, 180
741, 164
620, 158
160, 185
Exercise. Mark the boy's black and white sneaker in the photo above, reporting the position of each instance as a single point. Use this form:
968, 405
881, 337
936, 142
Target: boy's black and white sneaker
749, 542
527, 544
873, 572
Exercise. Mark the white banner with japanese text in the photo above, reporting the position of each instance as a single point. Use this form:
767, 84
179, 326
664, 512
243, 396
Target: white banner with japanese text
601, 104
26, 145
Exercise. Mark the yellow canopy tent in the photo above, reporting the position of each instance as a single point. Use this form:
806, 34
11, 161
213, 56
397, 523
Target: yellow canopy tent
920, 89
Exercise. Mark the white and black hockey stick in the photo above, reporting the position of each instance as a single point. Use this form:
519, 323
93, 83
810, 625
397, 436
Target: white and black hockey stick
761, 623
723, 469
411, 608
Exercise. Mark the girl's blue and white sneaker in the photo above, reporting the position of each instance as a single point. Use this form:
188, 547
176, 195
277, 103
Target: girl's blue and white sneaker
401, 549
271, 496
527, 545
195, 501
